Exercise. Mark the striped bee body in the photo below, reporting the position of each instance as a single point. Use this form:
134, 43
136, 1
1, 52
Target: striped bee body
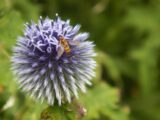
65, 45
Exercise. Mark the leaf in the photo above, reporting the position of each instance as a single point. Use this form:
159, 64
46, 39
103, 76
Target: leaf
103, 99
65, 112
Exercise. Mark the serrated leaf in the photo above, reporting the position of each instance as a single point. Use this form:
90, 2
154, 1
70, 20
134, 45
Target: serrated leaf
103, 99
65, 112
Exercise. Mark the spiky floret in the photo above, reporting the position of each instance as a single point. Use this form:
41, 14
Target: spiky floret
44, 67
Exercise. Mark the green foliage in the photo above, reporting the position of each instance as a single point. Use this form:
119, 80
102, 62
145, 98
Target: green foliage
59, 113
11, 21
126, 34
104, 103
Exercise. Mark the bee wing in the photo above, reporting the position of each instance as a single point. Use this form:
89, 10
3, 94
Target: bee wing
60, 51
73, 42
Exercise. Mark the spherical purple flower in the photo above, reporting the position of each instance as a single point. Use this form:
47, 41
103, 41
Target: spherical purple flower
52, 60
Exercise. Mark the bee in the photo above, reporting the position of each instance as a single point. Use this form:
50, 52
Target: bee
64, 46
64, 43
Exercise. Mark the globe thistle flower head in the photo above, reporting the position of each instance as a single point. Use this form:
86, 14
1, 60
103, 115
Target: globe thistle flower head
53, 60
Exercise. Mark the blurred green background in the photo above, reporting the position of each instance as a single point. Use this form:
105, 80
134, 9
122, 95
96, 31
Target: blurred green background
127, 38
